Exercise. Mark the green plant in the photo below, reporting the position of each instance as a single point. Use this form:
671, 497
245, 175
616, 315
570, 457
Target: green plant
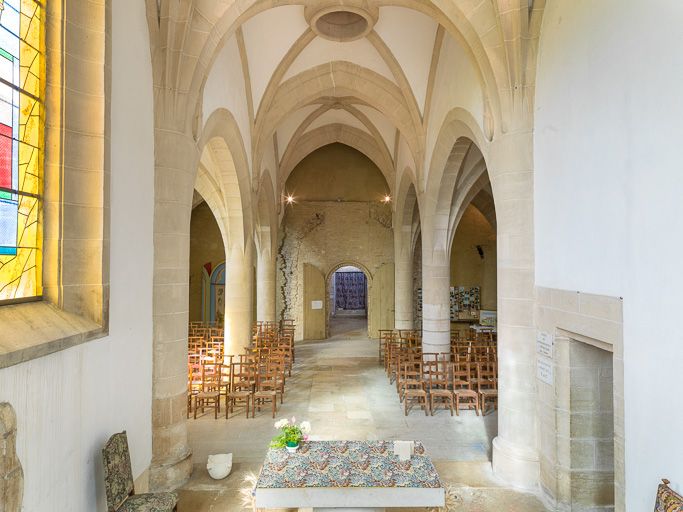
290, 434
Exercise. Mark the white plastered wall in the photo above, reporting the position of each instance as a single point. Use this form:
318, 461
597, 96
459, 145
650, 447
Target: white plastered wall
608, 181
225, 88
455, 85
70, 402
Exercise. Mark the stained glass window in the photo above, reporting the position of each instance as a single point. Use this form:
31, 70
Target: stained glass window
21, 148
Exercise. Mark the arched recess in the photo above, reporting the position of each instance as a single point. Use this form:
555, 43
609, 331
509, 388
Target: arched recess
348, 135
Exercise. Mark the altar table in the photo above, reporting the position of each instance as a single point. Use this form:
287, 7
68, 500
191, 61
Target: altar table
348, 475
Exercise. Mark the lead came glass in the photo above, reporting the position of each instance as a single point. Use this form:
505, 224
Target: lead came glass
21, 148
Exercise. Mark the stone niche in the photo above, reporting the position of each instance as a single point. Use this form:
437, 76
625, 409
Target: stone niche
11, 474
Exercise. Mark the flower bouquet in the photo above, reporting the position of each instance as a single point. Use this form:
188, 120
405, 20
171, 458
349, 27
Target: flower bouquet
291, 434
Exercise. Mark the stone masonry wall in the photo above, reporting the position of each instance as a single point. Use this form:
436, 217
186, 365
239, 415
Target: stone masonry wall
327, 234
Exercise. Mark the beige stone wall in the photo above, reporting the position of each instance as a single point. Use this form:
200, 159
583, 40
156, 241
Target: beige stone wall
336, 172
206, 246
468, 268
326, 234
338, 218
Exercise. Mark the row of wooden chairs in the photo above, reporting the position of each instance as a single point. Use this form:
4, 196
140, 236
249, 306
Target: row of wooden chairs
431, 384
253, 379
449, 378
247, 381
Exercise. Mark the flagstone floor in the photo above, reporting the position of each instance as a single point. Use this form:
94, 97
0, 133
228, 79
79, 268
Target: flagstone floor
340, 387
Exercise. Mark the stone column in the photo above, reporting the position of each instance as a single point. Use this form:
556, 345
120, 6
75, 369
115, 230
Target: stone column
515, 451
404, 279
176, 162
265, 286
238, 298
436, 308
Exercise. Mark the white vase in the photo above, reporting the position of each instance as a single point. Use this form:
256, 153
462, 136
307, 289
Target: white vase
292, 449
219, 465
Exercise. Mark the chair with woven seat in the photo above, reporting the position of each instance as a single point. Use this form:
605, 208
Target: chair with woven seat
487, 384
462, 387
210, 394
242, 384
118, 482
439, 384
413, 387
267, 389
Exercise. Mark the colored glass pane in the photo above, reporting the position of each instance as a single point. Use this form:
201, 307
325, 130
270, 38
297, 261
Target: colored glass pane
21, 147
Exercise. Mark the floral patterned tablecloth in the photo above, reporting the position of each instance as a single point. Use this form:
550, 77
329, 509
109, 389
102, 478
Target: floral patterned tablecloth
347, 464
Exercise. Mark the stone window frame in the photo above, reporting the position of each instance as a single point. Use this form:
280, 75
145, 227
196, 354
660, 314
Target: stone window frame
75, 304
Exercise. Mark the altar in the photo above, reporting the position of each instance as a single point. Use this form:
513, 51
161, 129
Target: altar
348, 475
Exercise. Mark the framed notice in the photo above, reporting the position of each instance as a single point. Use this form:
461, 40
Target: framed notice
544, 370
544, 344
316, 304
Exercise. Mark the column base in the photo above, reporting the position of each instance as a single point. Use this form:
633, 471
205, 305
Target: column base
170, 475
518, 467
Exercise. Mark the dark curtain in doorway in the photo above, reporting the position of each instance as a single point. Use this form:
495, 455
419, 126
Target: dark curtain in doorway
349, 290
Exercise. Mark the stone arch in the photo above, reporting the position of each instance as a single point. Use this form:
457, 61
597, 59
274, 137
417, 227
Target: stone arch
347, 135
340, 78
347, 263
328, 288
210, 191
479, 30
227, 164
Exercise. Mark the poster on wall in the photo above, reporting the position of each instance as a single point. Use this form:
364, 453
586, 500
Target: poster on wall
488, 318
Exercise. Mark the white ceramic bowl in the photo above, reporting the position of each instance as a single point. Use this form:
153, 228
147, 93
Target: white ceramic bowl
219, 465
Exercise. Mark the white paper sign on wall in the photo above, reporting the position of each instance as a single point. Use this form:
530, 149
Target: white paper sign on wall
544, 344
316, 304
544, 370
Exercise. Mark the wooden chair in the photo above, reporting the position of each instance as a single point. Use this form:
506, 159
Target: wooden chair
242, 384
414, 389
210, 394
384, 336
462, 388
487, 384
266, 391
118, 482
439, 381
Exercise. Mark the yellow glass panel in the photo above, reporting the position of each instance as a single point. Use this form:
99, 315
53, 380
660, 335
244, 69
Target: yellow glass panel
21, 166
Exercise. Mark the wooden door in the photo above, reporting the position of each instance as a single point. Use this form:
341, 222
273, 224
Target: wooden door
381, 291
315, 303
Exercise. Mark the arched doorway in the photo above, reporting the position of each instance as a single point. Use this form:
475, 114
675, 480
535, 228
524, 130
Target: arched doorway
348, 304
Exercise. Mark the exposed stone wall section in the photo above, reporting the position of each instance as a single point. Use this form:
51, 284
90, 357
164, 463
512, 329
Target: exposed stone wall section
417, 281
11, 473
288, 259
326, 234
